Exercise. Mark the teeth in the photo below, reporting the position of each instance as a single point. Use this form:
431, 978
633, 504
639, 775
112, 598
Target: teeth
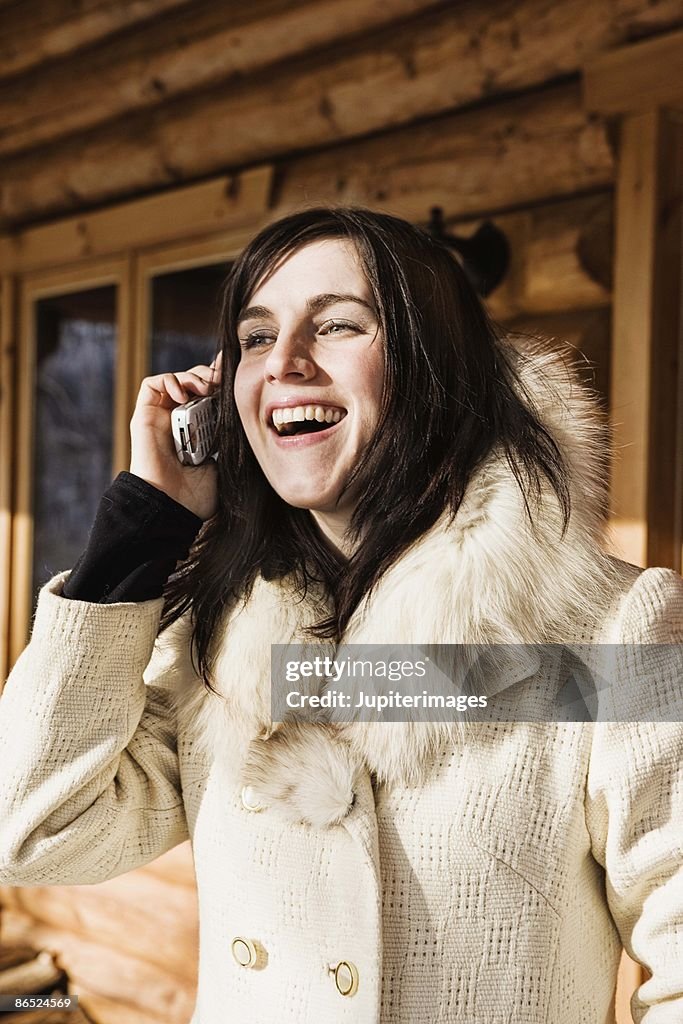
299, 413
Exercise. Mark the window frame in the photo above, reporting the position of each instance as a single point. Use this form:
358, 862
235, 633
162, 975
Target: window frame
33, 288
126, 245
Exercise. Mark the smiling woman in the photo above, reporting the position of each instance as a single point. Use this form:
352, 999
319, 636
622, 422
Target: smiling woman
391, 470
310, 379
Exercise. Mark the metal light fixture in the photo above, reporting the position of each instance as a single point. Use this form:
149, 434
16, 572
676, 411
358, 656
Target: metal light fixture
484, 256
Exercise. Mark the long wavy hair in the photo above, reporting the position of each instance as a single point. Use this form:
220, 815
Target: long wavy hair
451, 395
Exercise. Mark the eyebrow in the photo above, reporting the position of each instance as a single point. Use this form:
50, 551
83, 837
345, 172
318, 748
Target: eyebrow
313, 305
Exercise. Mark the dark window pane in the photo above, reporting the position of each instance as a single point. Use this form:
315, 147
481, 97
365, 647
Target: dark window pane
185, 307
76, 343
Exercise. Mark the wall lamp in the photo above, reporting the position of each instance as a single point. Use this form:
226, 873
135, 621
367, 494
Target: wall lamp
484, 256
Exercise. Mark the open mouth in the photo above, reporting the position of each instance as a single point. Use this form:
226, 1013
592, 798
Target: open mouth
305, 419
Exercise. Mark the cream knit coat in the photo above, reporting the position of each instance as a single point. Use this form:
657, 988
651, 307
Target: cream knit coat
485, 874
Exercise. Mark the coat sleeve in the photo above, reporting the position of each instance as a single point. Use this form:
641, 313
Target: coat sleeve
89, 775
634, 802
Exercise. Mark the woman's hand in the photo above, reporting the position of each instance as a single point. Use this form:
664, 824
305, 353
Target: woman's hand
153, 454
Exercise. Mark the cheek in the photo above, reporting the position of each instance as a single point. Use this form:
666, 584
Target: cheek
246, 396
373, 376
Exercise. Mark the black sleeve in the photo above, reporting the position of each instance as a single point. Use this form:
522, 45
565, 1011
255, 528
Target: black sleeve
138, 536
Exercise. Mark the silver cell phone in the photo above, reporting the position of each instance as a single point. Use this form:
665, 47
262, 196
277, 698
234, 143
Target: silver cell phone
194, 429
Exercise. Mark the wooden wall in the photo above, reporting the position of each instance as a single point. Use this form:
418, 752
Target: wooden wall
476, 107
128, 945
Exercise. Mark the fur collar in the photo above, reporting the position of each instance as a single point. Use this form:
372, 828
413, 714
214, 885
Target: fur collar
487, 576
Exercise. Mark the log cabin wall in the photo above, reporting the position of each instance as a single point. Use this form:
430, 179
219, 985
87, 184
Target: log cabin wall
130, 123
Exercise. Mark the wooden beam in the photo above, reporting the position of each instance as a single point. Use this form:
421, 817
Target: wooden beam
561, 251
507, 156
636, 78
495, 47
510, 154
308, 106
646, 358
560, 257
42, 30
196, 48
234, 204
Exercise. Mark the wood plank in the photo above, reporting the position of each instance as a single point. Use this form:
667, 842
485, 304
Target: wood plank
646, 405
233, 206
495, 47
41, 30
139, 914
97, 971
560, 256
196, 48
561, 252
514, 153
636, 78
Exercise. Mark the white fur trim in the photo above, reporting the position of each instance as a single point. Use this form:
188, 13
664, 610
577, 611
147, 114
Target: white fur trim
488, 576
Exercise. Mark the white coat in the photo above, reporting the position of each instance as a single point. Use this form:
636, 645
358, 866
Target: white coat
380, 872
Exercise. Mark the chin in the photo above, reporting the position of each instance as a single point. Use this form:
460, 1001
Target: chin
312, 504
305, 494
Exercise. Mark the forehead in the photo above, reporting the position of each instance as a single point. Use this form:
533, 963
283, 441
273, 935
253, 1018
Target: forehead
325, 266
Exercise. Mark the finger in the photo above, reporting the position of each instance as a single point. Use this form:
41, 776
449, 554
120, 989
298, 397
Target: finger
208, 374
165, 389
198, 378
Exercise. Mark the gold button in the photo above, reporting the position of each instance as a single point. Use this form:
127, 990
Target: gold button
345, 977
250, 800
244, 952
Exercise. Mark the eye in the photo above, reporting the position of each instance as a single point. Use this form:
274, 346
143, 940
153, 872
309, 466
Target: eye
256, 340
337, 327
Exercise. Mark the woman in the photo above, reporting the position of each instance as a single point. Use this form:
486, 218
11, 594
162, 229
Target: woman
390, 471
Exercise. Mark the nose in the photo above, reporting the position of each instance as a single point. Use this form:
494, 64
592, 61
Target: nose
290, 357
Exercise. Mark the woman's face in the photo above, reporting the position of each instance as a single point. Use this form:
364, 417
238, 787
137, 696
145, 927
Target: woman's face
308, 386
